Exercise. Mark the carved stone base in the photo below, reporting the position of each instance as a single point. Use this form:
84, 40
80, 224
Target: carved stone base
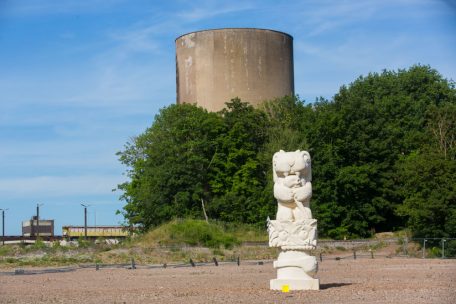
298, 235
312, 284
295, 268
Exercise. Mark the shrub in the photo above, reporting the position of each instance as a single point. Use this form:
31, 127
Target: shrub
191, 232
198, 232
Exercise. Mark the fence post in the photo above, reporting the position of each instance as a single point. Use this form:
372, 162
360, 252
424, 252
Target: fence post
372, 254
406, 246
354, 254
443, 248
424, 248
238, 260
321, 257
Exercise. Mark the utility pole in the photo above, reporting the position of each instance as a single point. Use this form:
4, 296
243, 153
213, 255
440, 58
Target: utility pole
38, 220
85, 220
3, 225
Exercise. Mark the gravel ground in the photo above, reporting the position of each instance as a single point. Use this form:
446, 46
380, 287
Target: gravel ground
379, 280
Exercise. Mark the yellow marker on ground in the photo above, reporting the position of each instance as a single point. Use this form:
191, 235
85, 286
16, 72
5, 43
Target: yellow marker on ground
285, 288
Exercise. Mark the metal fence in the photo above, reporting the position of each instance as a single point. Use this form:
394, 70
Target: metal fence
354, 255
426, 248
443, 248
133, 265
435, 247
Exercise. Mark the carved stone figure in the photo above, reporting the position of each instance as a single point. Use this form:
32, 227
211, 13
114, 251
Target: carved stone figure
294, 230
292, 185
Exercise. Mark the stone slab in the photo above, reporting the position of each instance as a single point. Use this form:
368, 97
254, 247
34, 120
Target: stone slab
312, 284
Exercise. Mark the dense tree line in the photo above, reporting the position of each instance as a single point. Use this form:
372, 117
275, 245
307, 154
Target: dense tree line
383, 158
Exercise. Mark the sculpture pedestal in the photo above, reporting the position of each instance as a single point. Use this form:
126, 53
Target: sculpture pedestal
294, 230
311, 284
294, 268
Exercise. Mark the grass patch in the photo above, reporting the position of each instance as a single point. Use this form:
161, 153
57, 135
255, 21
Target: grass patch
6, 250
175, 241
246, 232
377, 245
190, 232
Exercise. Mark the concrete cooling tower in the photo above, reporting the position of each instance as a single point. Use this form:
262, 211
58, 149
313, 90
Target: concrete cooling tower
214, 66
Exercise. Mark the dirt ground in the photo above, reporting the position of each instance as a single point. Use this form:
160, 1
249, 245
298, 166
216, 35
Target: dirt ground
381, 280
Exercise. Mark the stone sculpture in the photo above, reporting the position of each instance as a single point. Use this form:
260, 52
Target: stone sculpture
294, 230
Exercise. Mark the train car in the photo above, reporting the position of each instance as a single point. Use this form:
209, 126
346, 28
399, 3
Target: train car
95, 231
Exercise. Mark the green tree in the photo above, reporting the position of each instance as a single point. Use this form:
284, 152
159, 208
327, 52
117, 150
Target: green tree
238, 175
428, 177
366, 145
357, 139
168, 165
429, 188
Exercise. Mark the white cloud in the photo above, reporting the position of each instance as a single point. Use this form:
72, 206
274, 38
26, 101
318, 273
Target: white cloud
140, 37
48, 7
58, 186
200, 12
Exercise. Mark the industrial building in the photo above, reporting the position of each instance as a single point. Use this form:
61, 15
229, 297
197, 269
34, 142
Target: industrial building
38, 227
214, 66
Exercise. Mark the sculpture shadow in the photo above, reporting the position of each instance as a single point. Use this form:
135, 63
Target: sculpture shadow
333, 285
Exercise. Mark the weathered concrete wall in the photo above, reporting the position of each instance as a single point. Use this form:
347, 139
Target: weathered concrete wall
214, 66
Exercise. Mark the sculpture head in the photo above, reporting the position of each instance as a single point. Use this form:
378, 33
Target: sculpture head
292, 163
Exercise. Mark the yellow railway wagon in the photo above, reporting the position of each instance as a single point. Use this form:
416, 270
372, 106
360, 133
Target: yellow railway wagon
95, 231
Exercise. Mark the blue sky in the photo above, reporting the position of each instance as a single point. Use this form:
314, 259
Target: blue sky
79, 78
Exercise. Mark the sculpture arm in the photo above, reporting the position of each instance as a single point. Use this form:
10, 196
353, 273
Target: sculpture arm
303, 193
283, 194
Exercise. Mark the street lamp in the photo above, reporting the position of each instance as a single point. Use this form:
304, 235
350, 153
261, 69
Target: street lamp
443, 248
3, 225
424, 248
38, 220
85, 220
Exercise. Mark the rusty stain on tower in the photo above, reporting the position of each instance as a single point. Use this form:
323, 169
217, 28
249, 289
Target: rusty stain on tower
214, 66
